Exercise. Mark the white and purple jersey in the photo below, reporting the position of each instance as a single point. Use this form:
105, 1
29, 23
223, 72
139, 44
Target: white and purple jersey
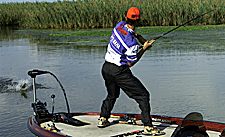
123, 46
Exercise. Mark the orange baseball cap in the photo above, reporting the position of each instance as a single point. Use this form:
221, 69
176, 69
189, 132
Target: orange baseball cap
133, 13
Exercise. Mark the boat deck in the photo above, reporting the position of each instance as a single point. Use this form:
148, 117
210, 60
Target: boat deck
115, 129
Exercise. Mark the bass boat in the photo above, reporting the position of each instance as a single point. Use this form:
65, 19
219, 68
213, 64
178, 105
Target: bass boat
84, 124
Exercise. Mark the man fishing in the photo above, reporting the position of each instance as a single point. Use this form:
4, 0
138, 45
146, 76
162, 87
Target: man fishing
122, 53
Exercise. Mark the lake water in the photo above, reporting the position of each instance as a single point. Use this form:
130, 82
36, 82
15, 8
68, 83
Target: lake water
184, 72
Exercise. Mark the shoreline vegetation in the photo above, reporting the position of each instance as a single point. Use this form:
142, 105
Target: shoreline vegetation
89, 14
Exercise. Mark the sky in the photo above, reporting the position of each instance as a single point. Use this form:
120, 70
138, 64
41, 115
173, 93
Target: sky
6, 1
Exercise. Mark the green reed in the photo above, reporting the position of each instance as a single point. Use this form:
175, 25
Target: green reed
106, 13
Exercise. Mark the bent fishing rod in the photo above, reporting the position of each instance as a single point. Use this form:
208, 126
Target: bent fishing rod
199, 16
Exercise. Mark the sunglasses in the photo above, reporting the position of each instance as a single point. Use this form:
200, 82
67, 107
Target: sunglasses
135, 16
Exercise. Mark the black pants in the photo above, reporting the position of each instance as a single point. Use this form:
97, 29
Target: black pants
117, 77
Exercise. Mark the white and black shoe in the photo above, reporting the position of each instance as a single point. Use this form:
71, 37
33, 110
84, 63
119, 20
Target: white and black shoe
103, 122
153, 131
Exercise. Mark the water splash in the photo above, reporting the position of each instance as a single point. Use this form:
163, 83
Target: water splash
8, 85
23, 85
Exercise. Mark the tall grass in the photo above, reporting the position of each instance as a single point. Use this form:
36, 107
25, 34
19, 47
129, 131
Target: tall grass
106, 13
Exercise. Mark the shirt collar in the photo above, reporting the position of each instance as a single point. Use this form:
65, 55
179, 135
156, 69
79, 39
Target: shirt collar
129, 29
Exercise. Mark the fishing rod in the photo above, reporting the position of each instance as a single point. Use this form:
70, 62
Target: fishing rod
199, 16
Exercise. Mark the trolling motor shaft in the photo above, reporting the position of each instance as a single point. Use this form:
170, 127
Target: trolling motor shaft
53, 102
33, 75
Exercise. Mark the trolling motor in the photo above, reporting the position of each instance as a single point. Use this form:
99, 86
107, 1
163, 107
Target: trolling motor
40, 107
35, 72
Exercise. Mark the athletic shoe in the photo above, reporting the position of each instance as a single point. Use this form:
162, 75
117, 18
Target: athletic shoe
148, 130
103, 122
